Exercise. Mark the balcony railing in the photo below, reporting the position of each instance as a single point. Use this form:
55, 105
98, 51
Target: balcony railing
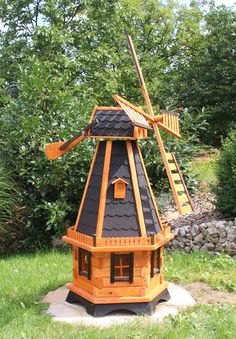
94, 241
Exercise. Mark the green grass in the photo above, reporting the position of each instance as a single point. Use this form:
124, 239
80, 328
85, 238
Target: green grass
217, 271
205, 171
25, 278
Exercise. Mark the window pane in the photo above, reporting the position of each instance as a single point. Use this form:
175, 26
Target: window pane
156, 262
117, 272
117, 260
126, 272
121, 265
125, 260
84, 263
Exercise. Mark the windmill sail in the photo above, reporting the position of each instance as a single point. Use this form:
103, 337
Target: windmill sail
169, 123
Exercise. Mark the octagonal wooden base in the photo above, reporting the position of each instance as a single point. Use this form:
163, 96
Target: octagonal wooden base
99, 310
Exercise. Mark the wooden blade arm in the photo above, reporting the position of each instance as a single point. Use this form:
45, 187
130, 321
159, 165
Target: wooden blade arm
78, 135
53, 150
140, 75
56, 149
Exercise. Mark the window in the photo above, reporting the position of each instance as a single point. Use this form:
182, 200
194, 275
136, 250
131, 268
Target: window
155, 262
119, 188
122, 267
85, 263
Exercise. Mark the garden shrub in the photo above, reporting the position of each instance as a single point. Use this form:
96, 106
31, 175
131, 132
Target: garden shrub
49, 108
45, 111
225, 187
11, 227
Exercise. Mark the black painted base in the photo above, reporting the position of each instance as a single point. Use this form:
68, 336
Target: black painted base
99, 310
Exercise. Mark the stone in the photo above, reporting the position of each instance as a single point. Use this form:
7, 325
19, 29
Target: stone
231, 237
210, 247
203, 229
176, 231
175, 242
212, 230
204, 247
220, 223
198, 237
218, 247
212, 238
195, 230
62, 311
182, 232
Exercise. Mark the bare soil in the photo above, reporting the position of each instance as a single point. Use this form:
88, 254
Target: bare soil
204, 294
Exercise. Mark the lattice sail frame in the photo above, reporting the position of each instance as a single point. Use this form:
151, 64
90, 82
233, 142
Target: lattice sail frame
170, 123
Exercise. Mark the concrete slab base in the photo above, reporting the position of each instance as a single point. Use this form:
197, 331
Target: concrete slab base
63, 311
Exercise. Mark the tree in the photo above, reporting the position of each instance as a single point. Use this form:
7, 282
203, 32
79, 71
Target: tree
63, 57
225, 187
205, 75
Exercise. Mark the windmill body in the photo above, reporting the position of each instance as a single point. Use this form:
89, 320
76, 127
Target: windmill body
118, 237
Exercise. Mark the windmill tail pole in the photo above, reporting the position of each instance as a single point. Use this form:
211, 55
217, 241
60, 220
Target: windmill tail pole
139, 73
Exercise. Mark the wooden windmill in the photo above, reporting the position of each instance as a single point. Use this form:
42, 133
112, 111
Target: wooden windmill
118, 236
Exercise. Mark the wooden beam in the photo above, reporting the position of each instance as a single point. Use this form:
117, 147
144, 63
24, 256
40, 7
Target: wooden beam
103, 193
136, 189
183, 182
109, 108
167, 165
136, 108
168, 130
92, 115
53, 151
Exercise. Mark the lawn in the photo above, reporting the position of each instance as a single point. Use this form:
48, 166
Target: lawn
205, 171
25, 278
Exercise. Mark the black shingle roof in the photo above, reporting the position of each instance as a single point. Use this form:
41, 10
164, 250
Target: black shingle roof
112, 123
88, 219
150, 216
120, 214
120, 218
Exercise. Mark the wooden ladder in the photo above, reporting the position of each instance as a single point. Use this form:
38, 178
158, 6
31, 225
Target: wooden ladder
179, 189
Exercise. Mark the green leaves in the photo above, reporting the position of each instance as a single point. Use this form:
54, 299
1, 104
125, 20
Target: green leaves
225, 187
65, 57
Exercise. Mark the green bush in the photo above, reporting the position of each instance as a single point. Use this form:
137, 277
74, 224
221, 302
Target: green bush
225, 188
46, 110
7, 198
11, 228
50, 108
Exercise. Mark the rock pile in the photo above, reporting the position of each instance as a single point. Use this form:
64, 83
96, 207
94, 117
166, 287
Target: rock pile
212, 236
204, 229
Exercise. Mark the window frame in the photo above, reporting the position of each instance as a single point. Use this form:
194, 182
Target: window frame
158, 262
82, 253
115, 278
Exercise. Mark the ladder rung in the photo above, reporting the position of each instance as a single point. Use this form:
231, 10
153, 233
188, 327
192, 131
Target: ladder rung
169, 156
176, 176
172, 167
183, 198
179, 188
186, 209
